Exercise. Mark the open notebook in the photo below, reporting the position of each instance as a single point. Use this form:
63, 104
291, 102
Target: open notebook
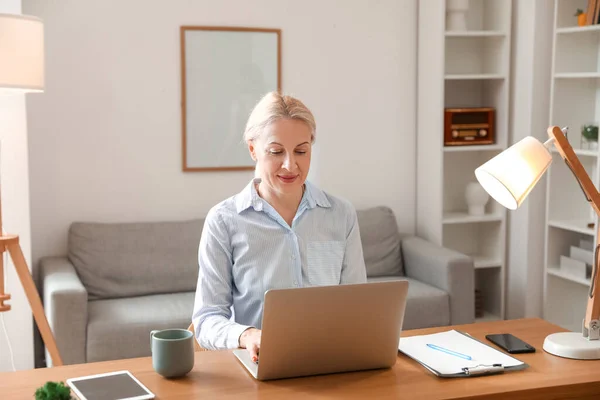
455, 354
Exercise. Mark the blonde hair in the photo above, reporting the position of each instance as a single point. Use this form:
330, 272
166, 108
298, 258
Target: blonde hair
274, 106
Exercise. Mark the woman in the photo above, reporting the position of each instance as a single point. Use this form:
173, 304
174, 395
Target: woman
279, 232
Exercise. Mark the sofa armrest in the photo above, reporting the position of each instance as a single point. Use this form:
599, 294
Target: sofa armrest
65, 303
445, 269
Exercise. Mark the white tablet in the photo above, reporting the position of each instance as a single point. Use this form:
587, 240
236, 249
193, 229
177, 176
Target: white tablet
110, 386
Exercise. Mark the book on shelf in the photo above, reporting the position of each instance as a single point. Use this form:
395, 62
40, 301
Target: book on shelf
592, 12
586, 244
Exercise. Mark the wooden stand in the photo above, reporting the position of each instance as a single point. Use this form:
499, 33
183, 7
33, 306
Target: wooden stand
591, 323
11, 244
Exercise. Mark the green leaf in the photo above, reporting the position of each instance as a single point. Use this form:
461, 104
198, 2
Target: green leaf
590, 132
53, 391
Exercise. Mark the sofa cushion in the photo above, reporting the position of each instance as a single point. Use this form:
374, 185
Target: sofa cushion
426, 306
118, 327
134, 259
380, 241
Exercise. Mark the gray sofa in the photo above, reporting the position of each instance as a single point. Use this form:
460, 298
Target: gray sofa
121, 280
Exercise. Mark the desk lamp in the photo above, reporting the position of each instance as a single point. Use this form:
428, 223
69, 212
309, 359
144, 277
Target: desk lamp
22, 71
508, 178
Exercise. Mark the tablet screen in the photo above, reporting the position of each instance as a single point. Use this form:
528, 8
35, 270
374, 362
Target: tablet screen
109, 387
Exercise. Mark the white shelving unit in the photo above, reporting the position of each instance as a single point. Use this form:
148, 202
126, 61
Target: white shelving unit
467, 68
574, 101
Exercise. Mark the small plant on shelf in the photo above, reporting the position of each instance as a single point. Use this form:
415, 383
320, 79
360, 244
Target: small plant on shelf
581, 17
53, 391
590, 134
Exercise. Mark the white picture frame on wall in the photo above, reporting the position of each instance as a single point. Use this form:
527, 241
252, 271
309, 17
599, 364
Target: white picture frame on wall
224, 73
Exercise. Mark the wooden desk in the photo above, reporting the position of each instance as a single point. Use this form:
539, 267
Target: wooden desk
218, 374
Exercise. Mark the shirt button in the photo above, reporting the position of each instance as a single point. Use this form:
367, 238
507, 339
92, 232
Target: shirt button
295, 283
293, 256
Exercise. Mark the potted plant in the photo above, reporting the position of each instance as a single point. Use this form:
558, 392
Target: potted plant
590, 134
581, 17
53, 391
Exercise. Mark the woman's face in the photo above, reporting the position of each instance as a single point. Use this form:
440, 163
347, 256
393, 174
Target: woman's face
282, 154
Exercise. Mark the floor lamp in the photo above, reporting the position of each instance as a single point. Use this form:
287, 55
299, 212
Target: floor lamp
508, 178
21, 71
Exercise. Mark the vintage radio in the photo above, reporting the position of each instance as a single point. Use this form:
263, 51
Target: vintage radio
469, 126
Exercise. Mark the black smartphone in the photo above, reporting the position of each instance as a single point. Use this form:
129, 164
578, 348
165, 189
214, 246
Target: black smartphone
510, 343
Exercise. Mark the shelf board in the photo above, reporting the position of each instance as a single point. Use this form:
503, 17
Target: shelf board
465, 218
488, 317
474, 76
577, 75
475, 33
580, 152
474, 147
481, 262
574, 225
555, 271
578, 29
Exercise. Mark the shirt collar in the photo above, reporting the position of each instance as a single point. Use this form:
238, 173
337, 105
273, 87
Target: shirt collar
315, 196
249, 197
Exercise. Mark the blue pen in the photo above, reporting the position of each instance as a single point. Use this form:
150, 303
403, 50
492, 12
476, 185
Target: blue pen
454, 353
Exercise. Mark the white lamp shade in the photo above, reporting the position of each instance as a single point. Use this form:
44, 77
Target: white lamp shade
21, 53
510, 176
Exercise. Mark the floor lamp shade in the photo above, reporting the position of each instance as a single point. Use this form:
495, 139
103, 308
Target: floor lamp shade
21, 53
510, 176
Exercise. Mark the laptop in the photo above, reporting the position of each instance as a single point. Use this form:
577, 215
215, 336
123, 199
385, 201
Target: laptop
328, 329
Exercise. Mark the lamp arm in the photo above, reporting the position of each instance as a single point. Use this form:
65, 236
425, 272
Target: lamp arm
591, 323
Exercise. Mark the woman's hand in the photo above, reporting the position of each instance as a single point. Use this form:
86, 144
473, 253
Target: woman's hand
250, 340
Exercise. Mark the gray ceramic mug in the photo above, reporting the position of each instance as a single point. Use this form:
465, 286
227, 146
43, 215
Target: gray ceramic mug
172, 352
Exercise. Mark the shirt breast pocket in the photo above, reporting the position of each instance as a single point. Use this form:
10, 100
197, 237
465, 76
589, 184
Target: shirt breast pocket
324, 262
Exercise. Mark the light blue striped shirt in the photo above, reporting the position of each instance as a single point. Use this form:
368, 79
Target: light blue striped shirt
247, 248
